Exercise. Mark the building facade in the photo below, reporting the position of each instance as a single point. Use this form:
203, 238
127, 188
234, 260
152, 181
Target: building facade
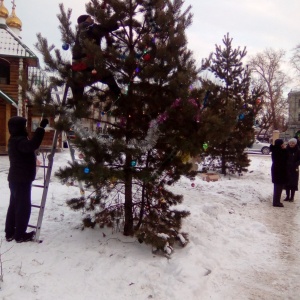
293, 115
17, 61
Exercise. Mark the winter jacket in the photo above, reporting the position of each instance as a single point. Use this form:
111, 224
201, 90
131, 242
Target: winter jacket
92, 32
292, 167
21, 150
279, 163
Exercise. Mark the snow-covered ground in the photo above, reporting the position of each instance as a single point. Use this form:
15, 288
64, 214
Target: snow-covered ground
240, 247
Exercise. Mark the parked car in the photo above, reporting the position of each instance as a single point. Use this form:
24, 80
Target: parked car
259, 147
71, 135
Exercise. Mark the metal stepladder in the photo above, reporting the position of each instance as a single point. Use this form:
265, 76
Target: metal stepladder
47, 173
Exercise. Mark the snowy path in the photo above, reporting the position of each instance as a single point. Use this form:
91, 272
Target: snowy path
273, 274
282, 273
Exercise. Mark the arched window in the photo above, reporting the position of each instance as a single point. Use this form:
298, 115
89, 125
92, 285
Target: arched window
4, 71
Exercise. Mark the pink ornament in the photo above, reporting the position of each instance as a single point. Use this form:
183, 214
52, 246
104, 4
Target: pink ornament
94, 71
193, 184
176, 103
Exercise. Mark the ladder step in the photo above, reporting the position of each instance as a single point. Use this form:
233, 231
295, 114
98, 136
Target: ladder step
38, 185
37, 206
31, 226
46, 167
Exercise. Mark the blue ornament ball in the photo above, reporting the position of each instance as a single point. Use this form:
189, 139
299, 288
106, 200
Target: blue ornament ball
86, 170
65, 46
133, 163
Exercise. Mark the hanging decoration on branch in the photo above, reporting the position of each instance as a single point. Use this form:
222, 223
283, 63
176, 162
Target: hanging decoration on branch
65, 46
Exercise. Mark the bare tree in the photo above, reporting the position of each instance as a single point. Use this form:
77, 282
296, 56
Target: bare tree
267, 73
295, 60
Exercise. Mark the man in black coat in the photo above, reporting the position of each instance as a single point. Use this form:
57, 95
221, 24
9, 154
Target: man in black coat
22, 171
278, 170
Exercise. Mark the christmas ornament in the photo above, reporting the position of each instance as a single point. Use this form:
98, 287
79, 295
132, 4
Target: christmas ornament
81, 156
205, 146
86, 170
133, 163
147, 57
241, 116
193, 184
65, 46
94, 72
258, 101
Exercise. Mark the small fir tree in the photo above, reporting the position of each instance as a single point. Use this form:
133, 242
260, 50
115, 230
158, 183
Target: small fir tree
233, 107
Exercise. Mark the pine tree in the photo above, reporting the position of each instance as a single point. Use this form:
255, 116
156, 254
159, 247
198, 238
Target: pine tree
232, 109
153, 123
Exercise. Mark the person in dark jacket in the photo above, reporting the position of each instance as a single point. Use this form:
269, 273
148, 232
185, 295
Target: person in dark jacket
278, 170
83, 63
292, 169
22, 171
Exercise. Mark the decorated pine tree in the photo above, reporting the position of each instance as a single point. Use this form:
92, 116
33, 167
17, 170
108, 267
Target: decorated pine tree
232, 108
131, 77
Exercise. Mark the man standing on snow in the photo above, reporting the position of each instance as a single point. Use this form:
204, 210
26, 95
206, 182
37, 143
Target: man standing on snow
22, 171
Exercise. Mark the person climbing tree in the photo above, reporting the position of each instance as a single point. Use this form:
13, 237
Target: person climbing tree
84, 60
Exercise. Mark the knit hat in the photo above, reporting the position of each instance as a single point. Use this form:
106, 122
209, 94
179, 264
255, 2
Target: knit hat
278, 142
293, 141
17, 126
82, 18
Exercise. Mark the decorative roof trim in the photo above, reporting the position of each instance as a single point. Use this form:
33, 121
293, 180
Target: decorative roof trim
8, 99
31, 54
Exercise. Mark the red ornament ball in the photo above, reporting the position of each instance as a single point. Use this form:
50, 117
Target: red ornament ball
193, 184
147, 57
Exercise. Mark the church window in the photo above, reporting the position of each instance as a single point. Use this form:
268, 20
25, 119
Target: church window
4, 72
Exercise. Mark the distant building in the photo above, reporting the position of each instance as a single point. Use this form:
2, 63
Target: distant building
293, 115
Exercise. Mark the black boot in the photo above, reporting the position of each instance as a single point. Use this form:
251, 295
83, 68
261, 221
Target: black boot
292, 196
287, 198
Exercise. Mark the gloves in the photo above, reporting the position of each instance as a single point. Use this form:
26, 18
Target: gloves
44, 123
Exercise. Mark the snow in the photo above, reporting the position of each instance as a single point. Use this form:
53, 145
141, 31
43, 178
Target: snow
240, 247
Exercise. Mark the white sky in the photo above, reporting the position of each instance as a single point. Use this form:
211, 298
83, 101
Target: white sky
256, 24
240, 247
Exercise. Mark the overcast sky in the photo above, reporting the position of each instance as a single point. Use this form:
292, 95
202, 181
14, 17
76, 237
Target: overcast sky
256, 24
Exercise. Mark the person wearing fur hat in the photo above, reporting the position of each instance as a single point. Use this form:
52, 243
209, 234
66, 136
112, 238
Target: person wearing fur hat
293, 163
278, 170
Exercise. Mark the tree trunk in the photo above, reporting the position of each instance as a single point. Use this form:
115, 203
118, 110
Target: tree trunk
128, 226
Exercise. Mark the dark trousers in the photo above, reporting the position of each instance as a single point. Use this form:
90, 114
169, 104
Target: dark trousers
19, 209
290, 194
277, 193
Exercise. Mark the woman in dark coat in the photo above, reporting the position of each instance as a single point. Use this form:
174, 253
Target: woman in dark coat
292, 169
22, 171
278, 170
